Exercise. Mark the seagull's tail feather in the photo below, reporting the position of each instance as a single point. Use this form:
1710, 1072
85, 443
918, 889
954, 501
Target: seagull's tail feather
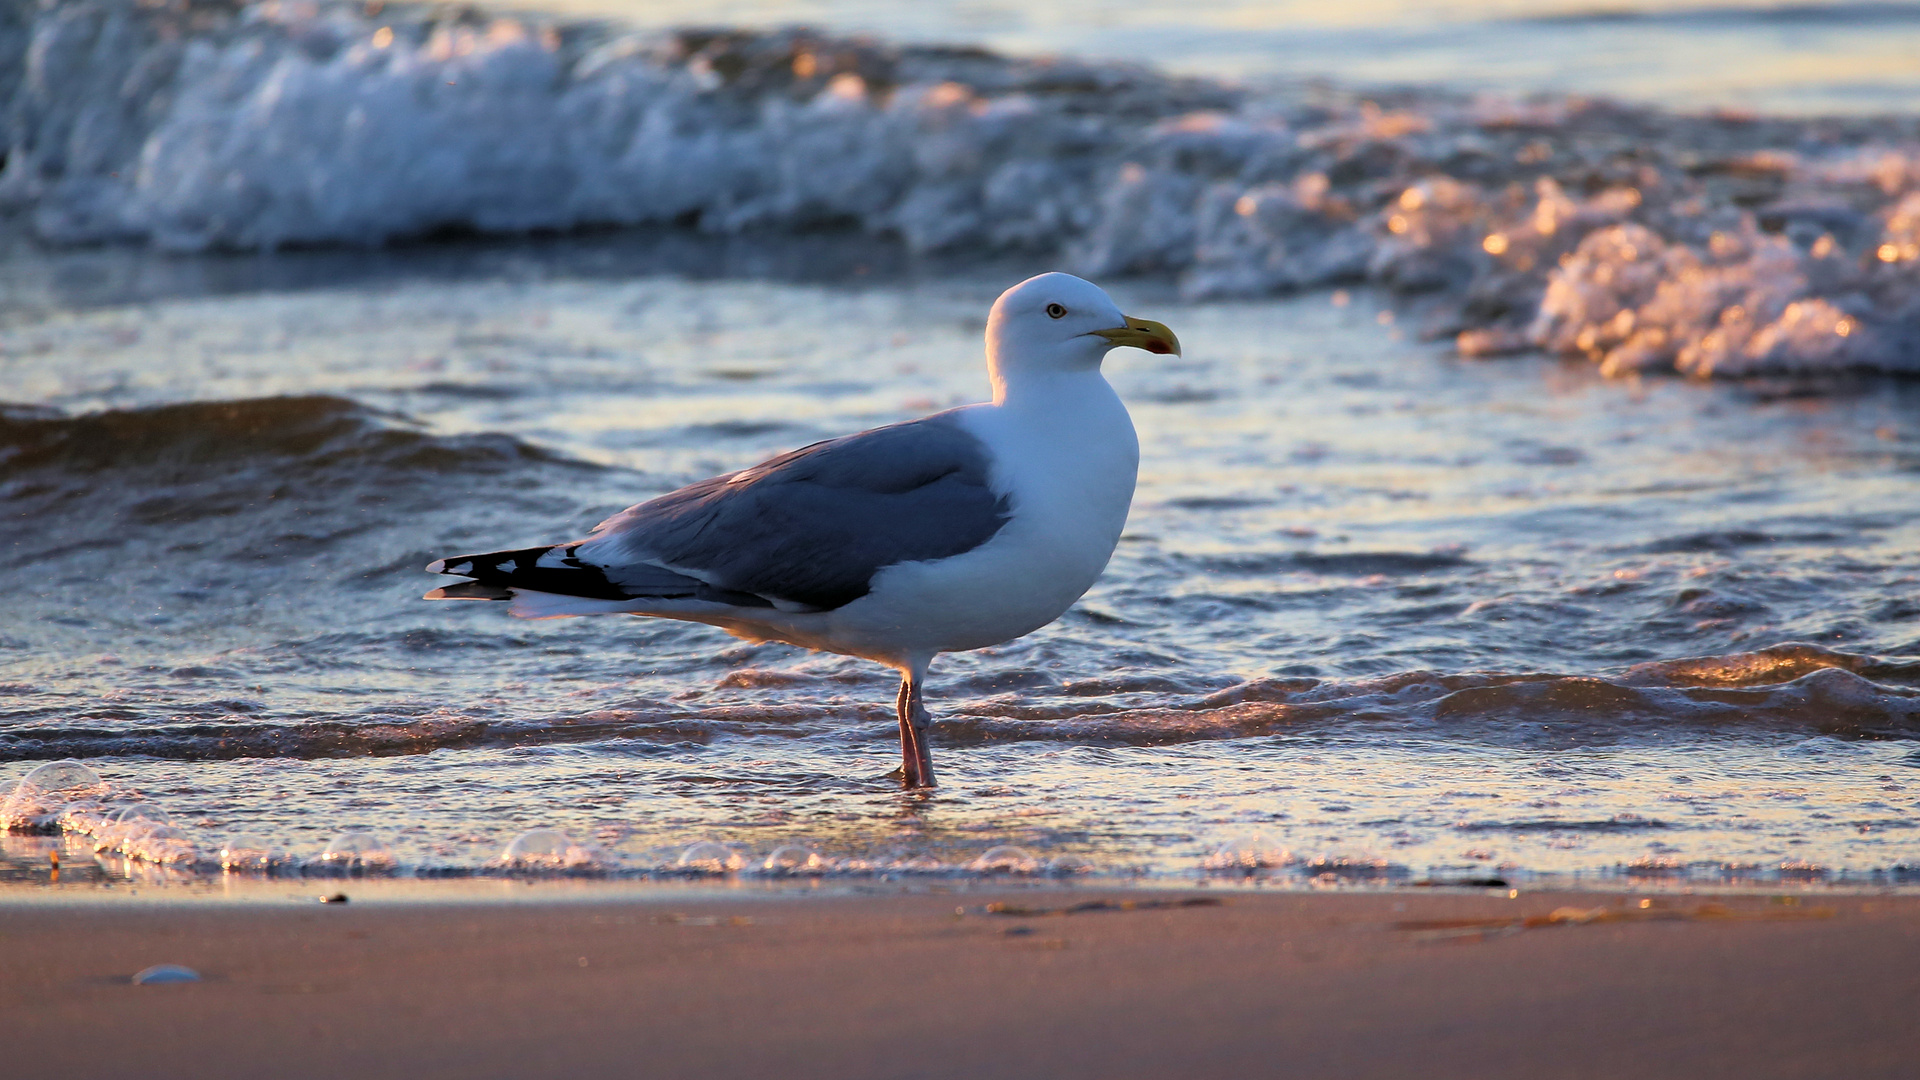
470, 590
528, 604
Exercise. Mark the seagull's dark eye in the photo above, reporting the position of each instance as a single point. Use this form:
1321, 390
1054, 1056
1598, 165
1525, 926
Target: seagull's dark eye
1055, 311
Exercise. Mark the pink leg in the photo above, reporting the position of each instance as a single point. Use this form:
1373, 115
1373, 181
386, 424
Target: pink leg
916, 749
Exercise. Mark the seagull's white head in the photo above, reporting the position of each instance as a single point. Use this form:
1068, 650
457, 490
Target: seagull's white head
1057, 323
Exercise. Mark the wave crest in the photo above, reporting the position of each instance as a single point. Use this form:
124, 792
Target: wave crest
1639, 239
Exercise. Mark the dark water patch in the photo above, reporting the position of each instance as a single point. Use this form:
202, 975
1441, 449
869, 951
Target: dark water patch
734, 429
1547, 454
1420, 613
1716, 604
470, 391
1726, 540
1623, 823
1892, 15
1217, 502
1344, 564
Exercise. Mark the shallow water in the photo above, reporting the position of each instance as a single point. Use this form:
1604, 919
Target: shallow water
1382, 612
1400, 614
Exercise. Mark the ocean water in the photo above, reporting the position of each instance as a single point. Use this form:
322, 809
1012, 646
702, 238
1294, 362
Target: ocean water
1755, 56
1539, 497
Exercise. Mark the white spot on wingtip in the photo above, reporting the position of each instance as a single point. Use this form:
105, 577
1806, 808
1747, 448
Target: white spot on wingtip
437, 566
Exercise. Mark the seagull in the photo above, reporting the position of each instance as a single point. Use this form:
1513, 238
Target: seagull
957, 531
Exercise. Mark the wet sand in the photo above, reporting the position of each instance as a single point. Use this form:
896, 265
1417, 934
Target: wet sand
1298, 985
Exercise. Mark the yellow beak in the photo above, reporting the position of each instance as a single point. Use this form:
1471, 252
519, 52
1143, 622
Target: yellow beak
1143, 334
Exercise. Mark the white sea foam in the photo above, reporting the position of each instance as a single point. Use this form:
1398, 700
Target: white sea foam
1690, 244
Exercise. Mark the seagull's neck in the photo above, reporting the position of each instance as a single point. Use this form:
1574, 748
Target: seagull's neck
1021, 390
1023, 372
1075, 411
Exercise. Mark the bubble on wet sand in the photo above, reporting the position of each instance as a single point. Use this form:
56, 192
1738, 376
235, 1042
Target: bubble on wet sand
1344, 867
154, 843
86, 817
551, 851
165, 973
709, 857
1247, 854
162, 844
119, 823
1067, 866
355, 851
142, 811
1802, 870
248, 854
794, 860
46, 792
1004, 859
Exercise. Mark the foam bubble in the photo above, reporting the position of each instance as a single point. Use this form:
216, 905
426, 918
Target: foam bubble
162, 845
551, 851
794, 859
1004, 859
88, 818
245, 853
1247, 854
142, 811
46, 791
710, 857
355, 851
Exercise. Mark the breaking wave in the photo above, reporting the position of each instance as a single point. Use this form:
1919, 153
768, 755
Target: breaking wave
1715, 246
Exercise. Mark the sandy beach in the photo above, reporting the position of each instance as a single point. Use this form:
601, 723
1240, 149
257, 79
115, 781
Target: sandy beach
973, 984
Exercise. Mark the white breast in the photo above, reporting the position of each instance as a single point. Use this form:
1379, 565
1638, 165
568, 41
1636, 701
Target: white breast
1066, 460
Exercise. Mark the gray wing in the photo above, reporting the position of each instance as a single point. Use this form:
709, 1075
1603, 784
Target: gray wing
812, 527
